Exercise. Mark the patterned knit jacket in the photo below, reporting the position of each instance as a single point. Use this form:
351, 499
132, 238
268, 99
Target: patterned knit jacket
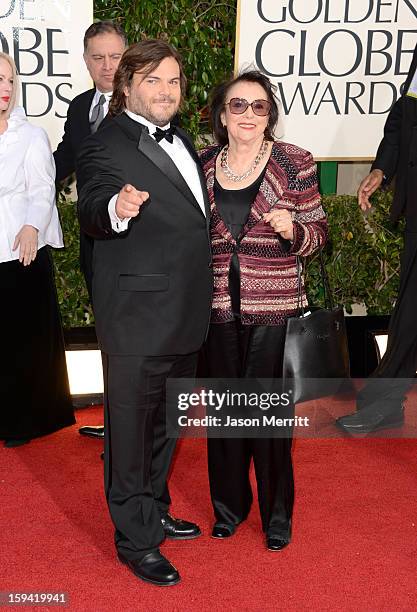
268, 271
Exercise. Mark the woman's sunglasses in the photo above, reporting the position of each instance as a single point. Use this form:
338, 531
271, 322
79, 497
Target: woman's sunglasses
237, 106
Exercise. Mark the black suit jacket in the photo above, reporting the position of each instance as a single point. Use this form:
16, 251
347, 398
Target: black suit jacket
397, 152
152, 285
76, 129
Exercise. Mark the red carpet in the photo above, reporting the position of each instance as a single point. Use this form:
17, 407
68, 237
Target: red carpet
354, 538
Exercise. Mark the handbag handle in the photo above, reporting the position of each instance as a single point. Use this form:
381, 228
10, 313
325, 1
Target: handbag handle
328, 296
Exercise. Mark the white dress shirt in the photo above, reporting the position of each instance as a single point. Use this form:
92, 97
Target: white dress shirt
182, 159
27, 186
96, 98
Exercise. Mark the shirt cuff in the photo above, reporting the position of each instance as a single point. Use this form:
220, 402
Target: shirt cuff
116, 224
33, 222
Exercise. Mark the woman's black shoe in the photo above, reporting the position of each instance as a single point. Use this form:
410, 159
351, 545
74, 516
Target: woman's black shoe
368, 420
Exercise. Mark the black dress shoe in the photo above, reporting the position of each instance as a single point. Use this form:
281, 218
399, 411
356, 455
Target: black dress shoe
276, 543
366, 421
12, 442
92, 431
102, 456
177, 529
153, 568
222, 531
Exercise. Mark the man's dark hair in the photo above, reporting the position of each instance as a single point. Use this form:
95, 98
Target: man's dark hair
143, 57
218, 101
104, 27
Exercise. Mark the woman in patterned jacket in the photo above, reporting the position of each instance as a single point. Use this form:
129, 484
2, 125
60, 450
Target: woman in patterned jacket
265, 210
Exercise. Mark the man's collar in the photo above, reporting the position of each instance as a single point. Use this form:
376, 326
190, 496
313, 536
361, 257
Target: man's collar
139, 119
99, 93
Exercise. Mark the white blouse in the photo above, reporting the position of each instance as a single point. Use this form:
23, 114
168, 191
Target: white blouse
27, 185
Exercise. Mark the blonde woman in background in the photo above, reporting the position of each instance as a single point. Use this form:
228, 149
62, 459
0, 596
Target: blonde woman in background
34, 393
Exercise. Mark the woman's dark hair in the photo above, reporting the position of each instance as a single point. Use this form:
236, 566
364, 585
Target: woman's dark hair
219, 96
143, 56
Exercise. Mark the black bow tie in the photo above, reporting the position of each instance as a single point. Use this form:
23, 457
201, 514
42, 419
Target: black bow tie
167, 134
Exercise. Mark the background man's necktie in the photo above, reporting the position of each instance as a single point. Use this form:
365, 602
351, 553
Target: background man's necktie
97, 114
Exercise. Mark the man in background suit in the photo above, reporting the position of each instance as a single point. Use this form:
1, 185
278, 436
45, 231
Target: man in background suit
104, 44
143, 199
380, 402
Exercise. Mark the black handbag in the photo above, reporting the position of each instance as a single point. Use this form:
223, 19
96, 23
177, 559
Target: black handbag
316, 354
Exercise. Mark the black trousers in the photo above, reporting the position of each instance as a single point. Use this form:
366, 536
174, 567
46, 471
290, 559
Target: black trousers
35, 397
385, 389
237, 351
137, 453
86, 261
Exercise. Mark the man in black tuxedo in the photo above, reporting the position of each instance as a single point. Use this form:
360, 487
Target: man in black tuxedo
104, 44
380, 402
143, 200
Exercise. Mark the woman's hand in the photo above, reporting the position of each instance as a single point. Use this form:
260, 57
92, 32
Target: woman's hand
281, 221
367, 187
27, 239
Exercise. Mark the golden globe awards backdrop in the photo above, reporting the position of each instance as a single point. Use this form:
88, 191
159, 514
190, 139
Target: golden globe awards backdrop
338, 66
45, 38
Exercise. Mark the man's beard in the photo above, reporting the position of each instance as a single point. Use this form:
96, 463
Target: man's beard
162, 117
